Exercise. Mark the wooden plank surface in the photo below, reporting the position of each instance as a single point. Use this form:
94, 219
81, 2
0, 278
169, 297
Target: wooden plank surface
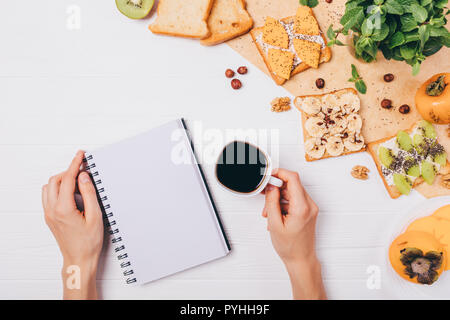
62, 90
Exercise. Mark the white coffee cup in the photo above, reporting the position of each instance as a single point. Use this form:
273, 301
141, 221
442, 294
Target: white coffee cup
267, 177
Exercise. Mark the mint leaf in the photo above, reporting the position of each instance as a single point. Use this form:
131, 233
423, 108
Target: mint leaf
361, 86
393, 7
416, 68
408, 22
352, 18
408, 51
424, 35
355, 74
330, 33
419, 13
309, 3
396, 40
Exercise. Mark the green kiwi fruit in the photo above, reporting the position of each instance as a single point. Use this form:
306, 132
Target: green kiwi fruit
386, 156
402, 183
428, 172
440, 158
135, 9
427, 129
411, 167
404, 141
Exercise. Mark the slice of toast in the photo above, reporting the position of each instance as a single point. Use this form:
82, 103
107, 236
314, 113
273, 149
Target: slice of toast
325, 53
393, 191
305, 117
183, 18
228, 19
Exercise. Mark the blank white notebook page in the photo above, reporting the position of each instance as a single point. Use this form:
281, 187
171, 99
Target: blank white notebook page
161, 207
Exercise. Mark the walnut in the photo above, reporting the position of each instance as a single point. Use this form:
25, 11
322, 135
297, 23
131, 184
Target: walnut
360, 172
445, 182
281, 104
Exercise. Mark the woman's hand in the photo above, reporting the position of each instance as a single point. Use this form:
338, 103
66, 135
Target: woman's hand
79, 234
292, 224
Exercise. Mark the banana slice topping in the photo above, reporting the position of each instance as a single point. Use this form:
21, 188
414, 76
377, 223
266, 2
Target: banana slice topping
354, 122
350, 102
334, 146
316, 127
309, 105
337, 124
330, 104
354, 142
315, 148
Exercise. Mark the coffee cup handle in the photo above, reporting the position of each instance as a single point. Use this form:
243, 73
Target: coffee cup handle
276, 182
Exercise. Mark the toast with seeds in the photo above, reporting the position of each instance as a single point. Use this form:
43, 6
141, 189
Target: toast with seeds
228, 19
271, 36
410, 158
331, 124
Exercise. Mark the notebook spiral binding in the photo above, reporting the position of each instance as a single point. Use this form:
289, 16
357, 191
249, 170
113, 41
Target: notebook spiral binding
110, 223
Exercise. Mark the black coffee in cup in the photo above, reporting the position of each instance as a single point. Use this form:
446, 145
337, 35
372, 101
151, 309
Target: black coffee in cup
241, 167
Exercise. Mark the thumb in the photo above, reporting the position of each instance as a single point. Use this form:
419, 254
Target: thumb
273, 206
91, 207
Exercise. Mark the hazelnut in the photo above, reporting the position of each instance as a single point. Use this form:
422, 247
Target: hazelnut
229, 73
236, 84
242, 70
388, 77
329, 1
320, 83
386, 104
404, 109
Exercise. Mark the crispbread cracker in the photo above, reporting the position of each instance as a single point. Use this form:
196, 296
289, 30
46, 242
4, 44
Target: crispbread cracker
308, 51
182, 18
275, 34
394, 193
256, 33
228, 19
281, 62
305, 22
305, 117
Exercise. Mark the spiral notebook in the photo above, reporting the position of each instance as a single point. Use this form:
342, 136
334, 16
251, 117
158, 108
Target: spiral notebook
158, 207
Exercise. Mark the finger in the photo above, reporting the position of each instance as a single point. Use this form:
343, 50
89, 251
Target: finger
264, 213
294, 191
92, 210
44, 197
273, 207
53, 187
68, 182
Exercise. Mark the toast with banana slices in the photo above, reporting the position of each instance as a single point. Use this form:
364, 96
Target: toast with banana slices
331, 124
410, 158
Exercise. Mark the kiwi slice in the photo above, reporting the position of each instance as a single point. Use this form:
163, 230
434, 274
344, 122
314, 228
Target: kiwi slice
428, 172
440, 159
135, 9
386, 156
404, 141
402, 183
411, 167
427, 129
420, 144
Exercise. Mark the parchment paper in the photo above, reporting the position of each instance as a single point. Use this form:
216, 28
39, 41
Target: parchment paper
378, 122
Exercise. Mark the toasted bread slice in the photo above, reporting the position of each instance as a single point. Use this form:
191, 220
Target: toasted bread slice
228, 19
305, 117
325, 53
392, 189
183, 18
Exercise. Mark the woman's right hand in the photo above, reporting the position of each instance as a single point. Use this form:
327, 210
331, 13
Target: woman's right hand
292, 227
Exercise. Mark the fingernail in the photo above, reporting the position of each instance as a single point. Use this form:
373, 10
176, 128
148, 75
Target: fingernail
84, 177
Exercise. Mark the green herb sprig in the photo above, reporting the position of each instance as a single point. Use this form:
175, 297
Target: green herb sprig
403, 30
360, 85
309, 3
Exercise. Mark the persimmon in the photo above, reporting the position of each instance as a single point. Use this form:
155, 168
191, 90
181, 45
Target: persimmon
433, 99
418, 257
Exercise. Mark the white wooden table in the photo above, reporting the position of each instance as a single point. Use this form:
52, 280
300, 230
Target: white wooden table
64, 89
